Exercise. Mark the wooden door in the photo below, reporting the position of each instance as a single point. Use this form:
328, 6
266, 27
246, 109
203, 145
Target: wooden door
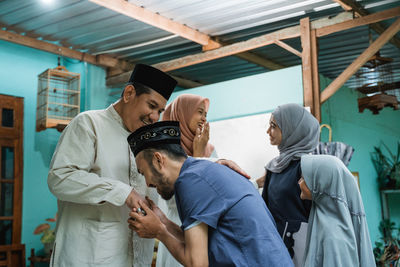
11, 166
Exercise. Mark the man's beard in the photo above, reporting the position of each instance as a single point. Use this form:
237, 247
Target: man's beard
162, 187
167, 195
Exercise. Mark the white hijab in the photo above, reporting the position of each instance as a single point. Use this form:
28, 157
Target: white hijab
337, 228
300, 135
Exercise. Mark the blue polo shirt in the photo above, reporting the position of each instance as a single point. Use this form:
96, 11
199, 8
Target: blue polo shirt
241, 230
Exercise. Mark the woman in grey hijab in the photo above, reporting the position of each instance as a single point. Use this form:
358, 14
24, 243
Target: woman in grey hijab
300, 135
337, 228
296, 132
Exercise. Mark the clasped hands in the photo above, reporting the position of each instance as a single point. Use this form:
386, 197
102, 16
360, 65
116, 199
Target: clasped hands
150, 225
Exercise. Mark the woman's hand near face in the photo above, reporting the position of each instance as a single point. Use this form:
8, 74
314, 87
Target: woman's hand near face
200, 141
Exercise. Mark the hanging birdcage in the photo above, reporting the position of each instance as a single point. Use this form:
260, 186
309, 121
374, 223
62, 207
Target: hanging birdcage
375, 83
58, 98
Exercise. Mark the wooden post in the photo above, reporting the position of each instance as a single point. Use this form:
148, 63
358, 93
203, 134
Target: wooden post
310, 68
315, 76
305, 35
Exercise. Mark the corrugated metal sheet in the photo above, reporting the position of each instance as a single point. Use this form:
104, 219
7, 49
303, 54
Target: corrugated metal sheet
88, 27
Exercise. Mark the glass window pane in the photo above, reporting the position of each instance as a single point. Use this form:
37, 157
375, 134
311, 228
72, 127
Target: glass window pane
7, 162
7, 118
5, 232
6, 197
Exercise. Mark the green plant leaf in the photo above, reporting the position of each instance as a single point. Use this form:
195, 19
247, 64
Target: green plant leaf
387, 166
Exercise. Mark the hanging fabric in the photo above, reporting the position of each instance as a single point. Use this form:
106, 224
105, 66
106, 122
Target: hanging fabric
341, 150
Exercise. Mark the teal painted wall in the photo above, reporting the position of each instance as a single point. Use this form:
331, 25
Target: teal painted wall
363, 131
19, 67
251, 95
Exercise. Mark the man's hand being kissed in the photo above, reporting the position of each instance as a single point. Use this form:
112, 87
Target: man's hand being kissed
149, 226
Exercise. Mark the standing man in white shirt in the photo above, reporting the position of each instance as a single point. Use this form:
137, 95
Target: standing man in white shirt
94, 177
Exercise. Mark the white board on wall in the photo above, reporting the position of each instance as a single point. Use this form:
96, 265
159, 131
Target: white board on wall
253, 94
245, 141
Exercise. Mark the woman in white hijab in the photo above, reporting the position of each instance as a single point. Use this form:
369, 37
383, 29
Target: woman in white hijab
337, 228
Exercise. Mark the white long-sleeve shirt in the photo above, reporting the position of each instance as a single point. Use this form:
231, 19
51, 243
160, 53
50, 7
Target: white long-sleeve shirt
91, 174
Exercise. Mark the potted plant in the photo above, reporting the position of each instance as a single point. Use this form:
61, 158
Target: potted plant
387, 166
387, 250
48, 234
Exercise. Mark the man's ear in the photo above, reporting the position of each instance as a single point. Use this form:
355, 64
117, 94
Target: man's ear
158, 160
129, 93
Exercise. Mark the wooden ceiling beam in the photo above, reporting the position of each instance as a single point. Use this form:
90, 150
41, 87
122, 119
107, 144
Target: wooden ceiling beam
100, 60
360, 61
164, 23
288, 48
359, 11
244, 46
229, 50
156, 20
261, 61
372, 18
344, 5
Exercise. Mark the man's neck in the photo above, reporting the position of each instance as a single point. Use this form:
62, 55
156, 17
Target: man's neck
175, 168
118, 108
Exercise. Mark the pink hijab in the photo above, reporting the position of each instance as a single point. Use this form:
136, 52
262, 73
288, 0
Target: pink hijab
182, 110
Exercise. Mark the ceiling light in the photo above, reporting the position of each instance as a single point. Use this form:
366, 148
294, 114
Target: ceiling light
47, 2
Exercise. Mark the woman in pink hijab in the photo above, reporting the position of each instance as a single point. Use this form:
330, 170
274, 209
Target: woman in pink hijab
191, 112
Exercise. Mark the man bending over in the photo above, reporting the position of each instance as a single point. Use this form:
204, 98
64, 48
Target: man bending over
225, 222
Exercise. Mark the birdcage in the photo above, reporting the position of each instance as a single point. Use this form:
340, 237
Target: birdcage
375, 83
58, 98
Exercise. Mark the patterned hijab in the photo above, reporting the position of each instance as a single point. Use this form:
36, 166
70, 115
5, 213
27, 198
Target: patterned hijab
337, 228
300, 135
182, 109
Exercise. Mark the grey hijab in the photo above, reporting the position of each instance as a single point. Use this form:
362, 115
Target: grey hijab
337, 232
300, 135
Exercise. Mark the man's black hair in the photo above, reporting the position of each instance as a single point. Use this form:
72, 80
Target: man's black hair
139, 88
174, 151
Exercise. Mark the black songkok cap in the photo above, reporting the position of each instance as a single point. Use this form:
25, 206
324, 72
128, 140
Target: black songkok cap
154, 78
152, 135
